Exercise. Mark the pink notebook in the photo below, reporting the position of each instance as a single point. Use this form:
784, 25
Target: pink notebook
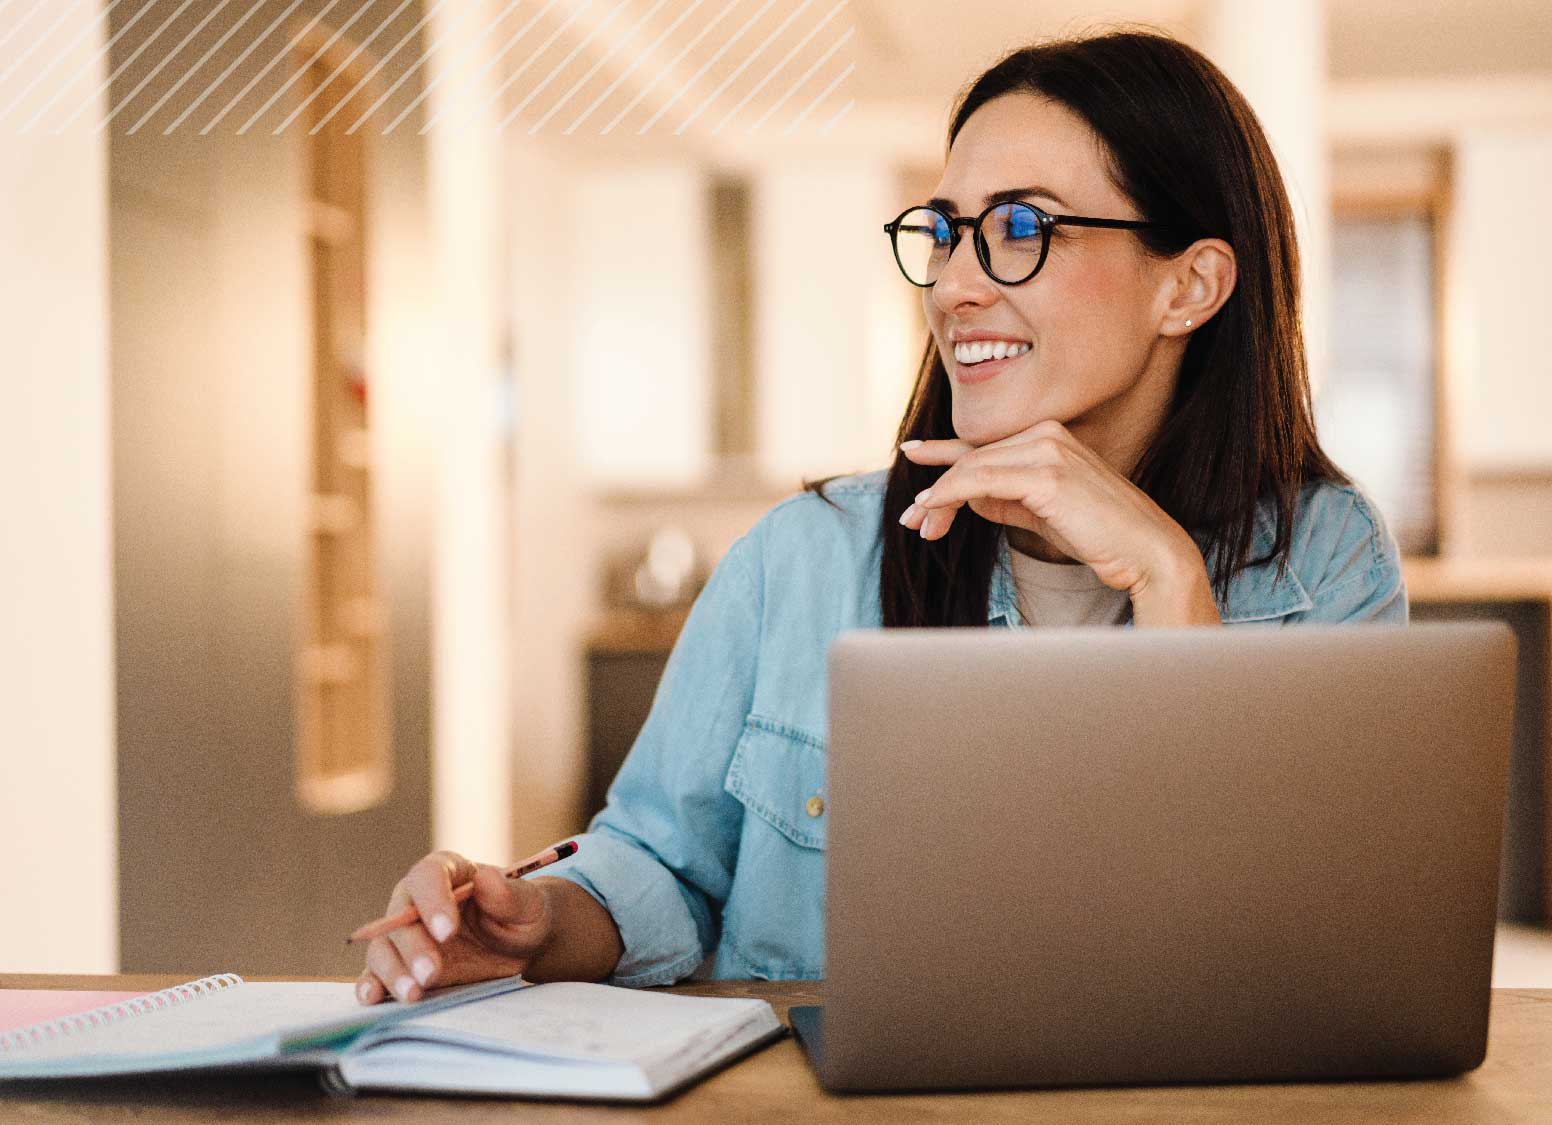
22, 1007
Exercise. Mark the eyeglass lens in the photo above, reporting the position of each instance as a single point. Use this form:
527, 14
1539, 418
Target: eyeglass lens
1013, 234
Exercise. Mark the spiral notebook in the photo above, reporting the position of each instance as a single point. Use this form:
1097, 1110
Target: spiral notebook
502, 1037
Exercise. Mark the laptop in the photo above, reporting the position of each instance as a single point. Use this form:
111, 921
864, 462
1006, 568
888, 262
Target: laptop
1102, 856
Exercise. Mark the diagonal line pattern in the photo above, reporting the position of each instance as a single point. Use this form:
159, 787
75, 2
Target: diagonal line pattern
641, 58
352, 57
551, 76
269, 66
777, 69
529, 61
112, 78
592, 70
235, 63
301, 70
469, 10
157, 69
824, 130
61, 57
668, 69
203, 59
468, 83
382, 62
730, 79
823, 94
694, 78
21, 23
91, 62
27, 54
462, 73
807, 74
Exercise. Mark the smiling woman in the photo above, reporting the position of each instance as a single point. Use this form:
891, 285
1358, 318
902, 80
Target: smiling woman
1111, 424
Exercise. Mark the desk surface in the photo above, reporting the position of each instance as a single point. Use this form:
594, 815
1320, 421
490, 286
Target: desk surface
1513, 1085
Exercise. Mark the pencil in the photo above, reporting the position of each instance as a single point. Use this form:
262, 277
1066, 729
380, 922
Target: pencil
410, 915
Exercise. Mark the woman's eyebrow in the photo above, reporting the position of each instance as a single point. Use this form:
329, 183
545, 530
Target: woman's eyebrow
1006, 195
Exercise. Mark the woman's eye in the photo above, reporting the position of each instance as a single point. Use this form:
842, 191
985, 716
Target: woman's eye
1023, 226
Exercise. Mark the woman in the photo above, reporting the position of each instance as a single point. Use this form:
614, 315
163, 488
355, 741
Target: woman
1111, 425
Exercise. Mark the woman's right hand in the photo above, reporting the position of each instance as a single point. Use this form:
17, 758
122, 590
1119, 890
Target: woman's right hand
496, 932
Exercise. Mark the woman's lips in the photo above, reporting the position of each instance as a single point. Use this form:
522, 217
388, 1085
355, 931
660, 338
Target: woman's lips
967, 375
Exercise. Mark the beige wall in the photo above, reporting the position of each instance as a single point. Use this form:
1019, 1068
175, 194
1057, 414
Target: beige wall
1501, 298
471, 557
554, 557
57, 820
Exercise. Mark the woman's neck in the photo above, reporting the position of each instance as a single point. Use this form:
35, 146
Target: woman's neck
1026, 542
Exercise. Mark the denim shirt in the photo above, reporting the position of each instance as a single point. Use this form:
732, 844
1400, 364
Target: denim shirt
710, 851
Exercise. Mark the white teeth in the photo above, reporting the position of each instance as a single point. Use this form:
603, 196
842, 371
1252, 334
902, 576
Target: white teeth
982, 350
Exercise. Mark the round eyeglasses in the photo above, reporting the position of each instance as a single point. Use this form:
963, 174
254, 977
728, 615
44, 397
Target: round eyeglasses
1011, 240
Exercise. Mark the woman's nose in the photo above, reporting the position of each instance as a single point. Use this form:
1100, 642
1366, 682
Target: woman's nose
962, 279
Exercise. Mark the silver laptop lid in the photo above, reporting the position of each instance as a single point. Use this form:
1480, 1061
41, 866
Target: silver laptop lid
1106, 855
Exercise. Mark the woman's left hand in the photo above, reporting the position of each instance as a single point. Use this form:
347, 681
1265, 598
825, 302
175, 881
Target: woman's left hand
1047, 481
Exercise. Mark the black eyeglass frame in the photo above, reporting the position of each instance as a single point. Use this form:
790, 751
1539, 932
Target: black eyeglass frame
1046, 220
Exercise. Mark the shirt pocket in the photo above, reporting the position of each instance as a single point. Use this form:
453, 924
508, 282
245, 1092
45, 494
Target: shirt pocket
778, 773
773, 920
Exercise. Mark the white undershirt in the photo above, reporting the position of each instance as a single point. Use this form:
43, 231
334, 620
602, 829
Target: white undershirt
1055, 594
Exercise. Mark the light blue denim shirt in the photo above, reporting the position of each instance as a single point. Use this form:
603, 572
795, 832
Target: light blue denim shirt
710, 849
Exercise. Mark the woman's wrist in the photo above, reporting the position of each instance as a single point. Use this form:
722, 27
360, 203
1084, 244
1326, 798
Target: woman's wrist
1177, 591
584, 943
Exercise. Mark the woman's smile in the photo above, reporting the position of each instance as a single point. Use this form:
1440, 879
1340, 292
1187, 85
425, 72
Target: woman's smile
969, 374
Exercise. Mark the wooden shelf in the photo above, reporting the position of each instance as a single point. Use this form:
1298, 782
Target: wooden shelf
1478, 579
636, 630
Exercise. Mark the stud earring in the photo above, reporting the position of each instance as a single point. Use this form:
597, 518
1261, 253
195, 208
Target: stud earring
1188, 324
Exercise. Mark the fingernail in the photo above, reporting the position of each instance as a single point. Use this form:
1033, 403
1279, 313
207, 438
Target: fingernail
403, 987
921, 497
910, 445
422, 968
907, 514
362, 990
441, 927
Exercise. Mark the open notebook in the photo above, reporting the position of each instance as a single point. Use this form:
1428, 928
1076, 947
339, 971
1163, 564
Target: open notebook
563, 1040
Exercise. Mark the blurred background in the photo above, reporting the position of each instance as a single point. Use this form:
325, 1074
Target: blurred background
383, 377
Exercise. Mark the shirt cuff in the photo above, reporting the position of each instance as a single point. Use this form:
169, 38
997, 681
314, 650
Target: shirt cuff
656, 927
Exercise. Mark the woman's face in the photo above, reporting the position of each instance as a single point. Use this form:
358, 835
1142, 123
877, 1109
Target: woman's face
1095, 360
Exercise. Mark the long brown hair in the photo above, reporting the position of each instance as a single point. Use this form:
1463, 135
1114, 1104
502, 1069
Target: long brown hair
1186, 148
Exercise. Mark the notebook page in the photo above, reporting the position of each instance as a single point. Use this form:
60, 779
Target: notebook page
250, 1012
590, 1022
247, 1023
448, 1069
23, 1007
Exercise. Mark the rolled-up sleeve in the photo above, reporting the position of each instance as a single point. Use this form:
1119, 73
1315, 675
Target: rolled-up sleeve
1362, 580
660, 854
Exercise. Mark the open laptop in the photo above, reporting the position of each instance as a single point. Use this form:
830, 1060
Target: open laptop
1097, 856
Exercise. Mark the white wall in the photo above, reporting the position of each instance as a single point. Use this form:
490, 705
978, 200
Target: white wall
1275, 52
555, 553
59, 878
640, 323
835, 348
471, 763
1500, 300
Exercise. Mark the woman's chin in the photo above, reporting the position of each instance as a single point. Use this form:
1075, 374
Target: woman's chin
984, 431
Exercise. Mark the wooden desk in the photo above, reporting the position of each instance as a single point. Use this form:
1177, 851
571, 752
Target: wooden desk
1513, 1085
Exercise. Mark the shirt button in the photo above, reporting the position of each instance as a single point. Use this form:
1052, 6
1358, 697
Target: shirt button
815, 805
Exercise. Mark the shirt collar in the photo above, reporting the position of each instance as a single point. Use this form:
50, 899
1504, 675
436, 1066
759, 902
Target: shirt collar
1256, 593
1002, 598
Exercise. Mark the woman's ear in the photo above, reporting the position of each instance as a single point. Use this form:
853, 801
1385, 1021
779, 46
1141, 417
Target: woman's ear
1201, 278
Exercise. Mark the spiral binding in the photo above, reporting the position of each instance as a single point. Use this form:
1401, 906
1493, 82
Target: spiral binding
112, 1013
